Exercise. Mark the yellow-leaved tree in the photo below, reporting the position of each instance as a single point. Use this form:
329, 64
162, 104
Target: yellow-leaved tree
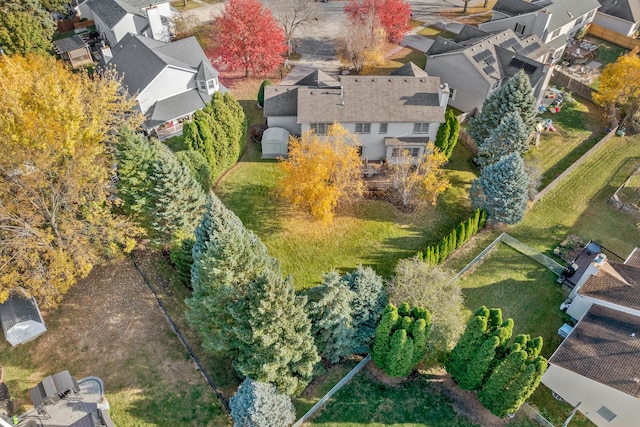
619, 89
322, 171
55, 210
418, 180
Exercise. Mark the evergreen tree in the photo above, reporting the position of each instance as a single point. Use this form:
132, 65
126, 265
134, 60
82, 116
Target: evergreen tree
135, 165
510, 136
198, 167
257, 404
177, 199
400, 355
273, 334
454, 124
198, 137
367, 306
261, 92
444, 133
226, 258
517, 96
331, 318
383, 335
180, 255
502, 190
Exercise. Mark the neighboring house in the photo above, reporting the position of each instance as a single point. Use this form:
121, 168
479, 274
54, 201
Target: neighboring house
115, 19
597, 367
21, 319
73, 50
61, 401
483, 62
389, 113
621, 16
170, 81
554, 21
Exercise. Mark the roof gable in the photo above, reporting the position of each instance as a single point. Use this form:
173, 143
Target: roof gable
318, 78
409, 69
515, 7
629, 10
604, 346
442, 45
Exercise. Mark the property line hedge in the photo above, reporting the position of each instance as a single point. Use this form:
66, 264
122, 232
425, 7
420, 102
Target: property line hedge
436, 254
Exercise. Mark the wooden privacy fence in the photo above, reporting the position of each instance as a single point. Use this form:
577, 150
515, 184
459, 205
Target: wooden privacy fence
612, 36
561, 79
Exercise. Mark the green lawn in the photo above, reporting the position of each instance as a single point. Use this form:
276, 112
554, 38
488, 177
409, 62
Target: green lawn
371, 232
433, 32
606, 53
579, 126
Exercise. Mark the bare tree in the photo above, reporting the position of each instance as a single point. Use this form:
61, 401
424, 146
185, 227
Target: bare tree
362, 42
292, 14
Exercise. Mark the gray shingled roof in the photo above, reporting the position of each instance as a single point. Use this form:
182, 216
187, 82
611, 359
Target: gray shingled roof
69, 44
318, 78
16, 309
280, 100
206, 71
442, 45
634, 258
373, 99
140, 59
515, 7
499, 55
605, 347
469, 32
609, 287
112, 11
409, 69
565, 11
629, 10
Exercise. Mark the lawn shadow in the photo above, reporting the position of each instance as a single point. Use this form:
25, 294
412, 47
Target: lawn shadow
257, 206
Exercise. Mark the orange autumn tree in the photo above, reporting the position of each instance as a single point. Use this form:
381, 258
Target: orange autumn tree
55, 210
322, 172
619, 89
419, 180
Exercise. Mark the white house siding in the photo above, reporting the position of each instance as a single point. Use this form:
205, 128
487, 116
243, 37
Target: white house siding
592, 396
125, 26
613, 23
289, 123
470, 87
582, 303
105, 30
170, 82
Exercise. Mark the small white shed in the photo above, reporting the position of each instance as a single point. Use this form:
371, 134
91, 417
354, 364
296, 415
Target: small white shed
21, 319
275, 143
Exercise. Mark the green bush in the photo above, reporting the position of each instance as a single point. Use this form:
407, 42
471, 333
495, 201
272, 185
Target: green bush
436, 254
261, 92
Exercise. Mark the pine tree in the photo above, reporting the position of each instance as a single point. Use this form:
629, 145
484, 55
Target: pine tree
502, 190
331, 318
273, 334
510, 136
135, 157
454, 124
480, 365
367, 306
177, 200
264, 84
226, 258
516, 95
257, 404
444, 133
398, 361
198, 167
180, 255
383, 335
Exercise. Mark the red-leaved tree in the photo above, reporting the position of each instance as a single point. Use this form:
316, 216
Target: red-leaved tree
394, 15
247, 36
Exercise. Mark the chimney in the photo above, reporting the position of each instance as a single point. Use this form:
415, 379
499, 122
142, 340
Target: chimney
444, 94
341, 95
593, 269
155, 22
106, 54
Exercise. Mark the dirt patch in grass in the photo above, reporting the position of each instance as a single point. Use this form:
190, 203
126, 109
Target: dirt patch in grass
382, 376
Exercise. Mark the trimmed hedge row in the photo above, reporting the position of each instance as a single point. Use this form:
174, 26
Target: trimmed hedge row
436, 254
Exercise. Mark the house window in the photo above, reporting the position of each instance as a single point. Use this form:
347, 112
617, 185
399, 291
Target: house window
203, 85
363, 127
211, 84
520, 28
399, 152
383, 127
579, 21
421, 128
555, 34
452, 94
591, 14
606, 413
319, 128
495, 85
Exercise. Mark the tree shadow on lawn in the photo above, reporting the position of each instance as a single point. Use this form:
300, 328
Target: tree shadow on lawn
257, 207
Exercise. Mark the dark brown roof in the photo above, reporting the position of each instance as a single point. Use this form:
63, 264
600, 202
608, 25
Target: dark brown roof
605, 347
634, 258
617, 284
373, 99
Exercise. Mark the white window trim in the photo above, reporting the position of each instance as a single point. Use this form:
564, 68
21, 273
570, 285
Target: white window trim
364, 128
423, 128
386, 128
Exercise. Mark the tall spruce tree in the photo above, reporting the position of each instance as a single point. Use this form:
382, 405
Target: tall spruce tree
135, 156
273, 333
331, 318
367, 306
198, 167
502, 190
226, 258
444, 133
177, 198
510, 136
516, 95
258, 404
